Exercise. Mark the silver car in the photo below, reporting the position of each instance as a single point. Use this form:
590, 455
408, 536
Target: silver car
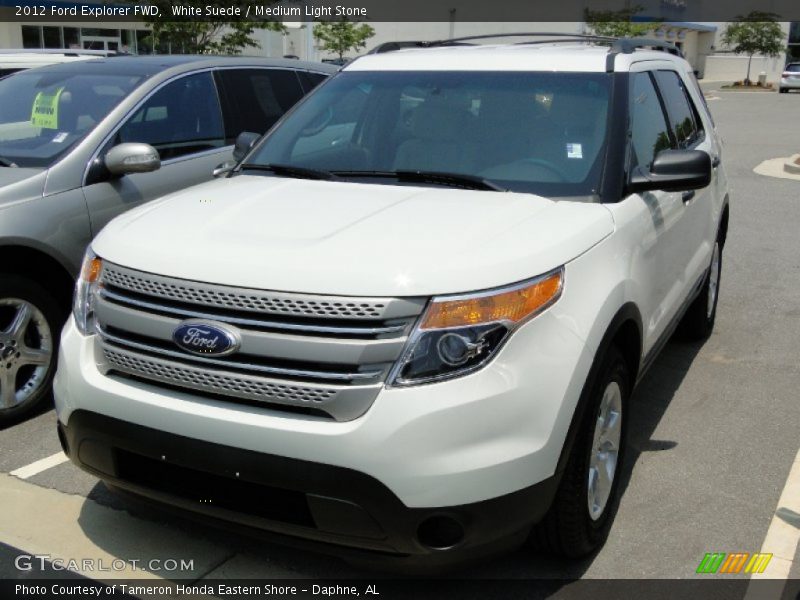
81, 143
790, 78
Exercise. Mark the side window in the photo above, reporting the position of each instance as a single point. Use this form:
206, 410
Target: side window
310, 80
181, 118
254, 99
649, 130
699, 92
681, 115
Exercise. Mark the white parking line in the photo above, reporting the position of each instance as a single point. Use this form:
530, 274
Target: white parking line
782, 537
40, 465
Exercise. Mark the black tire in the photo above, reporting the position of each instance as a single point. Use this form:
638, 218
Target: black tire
698, 322
13, 289
569, 529
782, 90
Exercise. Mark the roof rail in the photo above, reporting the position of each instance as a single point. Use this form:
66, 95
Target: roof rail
628, 45
464, 41
617, 45
393, 46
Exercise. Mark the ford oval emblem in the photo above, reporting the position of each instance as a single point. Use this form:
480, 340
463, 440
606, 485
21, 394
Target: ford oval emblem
207, 339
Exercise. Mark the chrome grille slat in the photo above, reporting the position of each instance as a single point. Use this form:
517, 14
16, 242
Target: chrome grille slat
341, 403
151, 327
195, 314
329, 375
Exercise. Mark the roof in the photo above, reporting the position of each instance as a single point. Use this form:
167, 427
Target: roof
574, 57
150, 65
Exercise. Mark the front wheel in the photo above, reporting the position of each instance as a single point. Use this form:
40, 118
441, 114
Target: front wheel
30, 320
579, 520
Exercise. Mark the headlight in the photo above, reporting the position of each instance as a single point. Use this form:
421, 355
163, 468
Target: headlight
85, 290
459, 334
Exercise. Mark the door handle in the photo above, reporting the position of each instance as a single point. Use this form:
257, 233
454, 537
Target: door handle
687, 196
714, 162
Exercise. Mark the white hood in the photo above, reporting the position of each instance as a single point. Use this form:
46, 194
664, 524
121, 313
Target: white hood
351, 239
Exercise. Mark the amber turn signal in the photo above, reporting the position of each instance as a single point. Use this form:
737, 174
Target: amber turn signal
91, 268
506, 305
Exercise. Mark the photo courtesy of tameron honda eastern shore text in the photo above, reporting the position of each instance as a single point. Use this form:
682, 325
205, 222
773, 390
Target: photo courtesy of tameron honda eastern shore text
408, 323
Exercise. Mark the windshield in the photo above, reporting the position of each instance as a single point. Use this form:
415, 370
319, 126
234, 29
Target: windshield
44, 113
530, 132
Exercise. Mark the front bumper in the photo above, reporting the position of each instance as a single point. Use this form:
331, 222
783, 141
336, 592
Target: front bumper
288, 497
480, 450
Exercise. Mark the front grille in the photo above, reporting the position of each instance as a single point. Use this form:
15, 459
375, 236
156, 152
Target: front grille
225, 383
268, 303
326, 352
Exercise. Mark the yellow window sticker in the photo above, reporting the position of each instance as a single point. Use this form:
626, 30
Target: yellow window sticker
45, 110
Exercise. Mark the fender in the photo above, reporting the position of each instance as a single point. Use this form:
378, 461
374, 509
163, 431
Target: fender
627, 313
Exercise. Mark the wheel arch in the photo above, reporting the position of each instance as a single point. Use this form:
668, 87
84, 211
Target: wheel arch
48, 271
625, 332
723, 222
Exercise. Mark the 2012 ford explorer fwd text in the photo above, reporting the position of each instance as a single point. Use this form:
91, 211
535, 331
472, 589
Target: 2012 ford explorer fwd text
410, 320
84, 141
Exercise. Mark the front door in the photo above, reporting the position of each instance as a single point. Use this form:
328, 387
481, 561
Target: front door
182, 120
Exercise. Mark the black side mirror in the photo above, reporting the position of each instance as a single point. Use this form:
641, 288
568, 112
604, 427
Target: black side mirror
673, 171
244, 141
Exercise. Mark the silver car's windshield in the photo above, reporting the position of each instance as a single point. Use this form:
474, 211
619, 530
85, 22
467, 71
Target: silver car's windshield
44, 113
535, 132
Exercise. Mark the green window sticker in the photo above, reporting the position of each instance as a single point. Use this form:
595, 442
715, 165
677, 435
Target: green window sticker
45, 109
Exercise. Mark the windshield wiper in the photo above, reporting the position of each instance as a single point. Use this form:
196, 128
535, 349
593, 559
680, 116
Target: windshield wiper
4, 162
291, 171
472, 182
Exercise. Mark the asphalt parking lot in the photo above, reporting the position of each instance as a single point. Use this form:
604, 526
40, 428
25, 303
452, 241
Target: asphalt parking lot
715, 427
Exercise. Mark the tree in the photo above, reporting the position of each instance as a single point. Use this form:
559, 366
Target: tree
340, 36
616, 23
197, 33
755, 32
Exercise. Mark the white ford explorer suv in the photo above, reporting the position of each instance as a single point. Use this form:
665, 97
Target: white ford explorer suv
410, 320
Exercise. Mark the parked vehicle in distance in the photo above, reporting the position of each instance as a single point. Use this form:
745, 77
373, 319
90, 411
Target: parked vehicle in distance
409, 322
82, 142
12, 61
790, 78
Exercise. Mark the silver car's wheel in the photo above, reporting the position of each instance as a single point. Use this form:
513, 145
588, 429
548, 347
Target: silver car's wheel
26, 351
605, 450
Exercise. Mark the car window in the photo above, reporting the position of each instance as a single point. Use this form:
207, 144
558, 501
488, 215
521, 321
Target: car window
679, 108
310, 80
254, 99
649, 131
537, 132
44, 113
793, 68
181, 118
699, 91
